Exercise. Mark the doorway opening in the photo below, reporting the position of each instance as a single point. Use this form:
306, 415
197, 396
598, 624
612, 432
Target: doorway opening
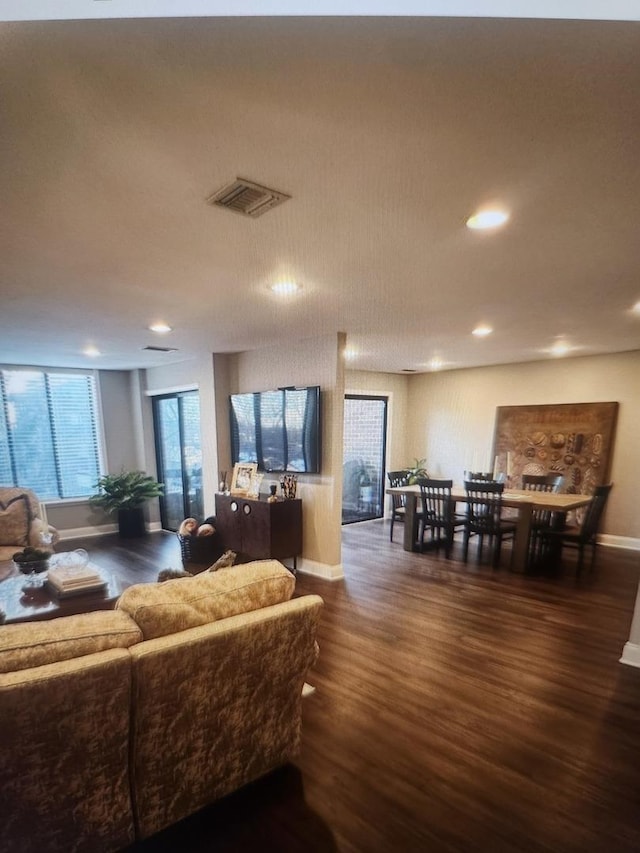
176, 422
364, 457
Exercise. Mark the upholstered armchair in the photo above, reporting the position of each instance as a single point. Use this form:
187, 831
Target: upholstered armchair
20, 522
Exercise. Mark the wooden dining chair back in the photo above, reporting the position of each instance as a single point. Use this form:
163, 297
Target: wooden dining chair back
585, 535
479, 475
437, 514
541, 519
484, 518
398, 502
542, 482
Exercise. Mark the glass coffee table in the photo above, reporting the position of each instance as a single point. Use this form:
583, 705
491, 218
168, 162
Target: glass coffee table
42, 603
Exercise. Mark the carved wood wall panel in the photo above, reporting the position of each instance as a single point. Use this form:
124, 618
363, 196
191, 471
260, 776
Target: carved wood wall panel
575, 439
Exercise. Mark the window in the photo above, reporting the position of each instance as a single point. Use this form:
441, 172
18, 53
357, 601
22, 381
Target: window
48, 433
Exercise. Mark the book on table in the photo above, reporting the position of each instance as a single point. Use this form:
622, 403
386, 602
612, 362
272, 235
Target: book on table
72, 580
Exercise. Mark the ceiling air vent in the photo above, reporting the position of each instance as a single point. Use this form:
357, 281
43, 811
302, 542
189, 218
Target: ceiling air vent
161, 349
248, 198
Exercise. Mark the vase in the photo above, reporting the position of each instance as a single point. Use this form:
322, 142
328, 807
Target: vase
289, 485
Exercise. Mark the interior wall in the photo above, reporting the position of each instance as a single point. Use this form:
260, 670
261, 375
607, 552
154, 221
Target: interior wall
316, 361
225, 378
451, 416
396, 388
190, 374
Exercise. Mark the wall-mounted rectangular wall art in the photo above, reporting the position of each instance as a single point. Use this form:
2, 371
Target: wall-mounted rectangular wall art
574, 439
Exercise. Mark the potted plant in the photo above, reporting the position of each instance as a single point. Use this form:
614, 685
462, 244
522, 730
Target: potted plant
126, 493
418, 470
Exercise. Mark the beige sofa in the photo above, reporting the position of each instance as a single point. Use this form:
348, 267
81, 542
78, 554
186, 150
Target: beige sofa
114, 725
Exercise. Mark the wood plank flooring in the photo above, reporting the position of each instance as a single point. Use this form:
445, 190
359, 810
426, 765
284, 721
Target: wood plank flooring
457, 708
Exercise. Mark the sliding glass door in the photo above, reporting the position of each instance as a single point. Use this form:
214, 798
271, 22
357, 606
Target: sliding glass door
365, 430
176, 419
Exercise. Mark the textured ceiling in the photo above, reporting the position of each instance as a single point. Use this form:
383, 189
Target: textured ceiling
386, 132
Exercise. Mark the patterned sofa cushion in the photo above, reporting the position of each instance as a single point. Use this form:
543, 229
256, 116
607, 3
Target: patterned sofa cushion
15, 521
37, 643
175, 605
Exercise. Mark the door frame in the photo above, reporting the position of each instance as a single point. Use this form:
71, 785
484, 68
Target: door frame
156, 399
384, 398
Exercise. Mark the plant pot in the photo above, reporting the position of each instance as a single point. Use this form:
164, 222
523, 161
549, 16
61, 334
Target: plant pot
131, 523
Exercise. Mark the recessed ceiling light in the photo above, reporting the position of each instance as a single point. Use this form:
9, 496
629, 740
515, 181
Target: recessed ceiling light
91, 351
636, 308
350, 353
286, 288
160, 328
560, 348
483, 219
436, 363
482, 331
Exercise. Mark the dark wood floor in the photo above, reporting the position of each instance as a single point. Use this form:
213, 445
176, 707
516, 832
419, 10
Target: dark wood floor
457, 709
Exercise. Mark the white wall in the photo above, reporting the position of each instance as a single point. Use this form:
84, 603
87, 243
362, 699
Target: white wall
451, 416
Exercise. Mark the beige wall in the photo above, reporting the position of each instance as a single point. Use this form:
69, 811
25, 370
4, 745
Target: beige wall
192, 373
396, 388
316, 361
451, 416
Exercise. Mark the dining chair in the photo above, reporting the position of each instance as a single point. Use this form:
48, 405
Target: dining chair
484, 518
581, 536
479, 475
398, 502
541, 519
437, 513
550, 482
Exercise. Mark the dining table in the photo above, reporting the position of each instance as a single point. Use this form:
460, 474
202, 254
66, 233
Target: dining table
522, 500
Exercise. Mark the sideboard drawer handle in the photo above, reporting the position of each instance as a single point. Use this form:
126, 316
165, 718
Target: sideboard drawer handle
246, 509
234, 506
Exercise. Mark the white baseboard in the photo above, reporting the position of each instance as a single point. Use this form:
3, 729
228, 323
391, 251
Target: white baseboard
83, 532
320, 570
631, 655
627, 542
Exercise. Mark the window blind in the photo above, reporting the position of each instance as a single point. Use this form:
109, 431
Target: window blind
49, 432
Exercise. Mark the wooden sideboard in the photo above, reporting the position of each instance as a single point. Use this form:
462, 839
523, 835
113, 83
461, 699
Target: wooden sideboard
259, 530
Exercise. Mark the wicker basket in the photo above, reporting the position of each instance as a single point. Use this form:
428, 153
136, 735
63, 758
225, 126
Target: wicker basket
200, 549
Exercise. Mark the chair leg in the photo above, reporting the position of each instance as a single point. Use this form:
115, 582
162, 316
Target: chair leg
393, 518
448, 542
465, 546
496, 551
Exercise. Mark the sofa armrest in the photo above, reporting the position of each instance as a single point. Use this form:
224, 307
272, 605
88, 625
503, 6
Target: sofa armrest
64, 755
224, 700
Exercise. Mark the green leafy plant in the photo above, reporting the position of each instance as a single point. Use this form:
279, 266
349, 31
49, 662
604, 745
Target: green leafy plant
126, 490
417, 470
